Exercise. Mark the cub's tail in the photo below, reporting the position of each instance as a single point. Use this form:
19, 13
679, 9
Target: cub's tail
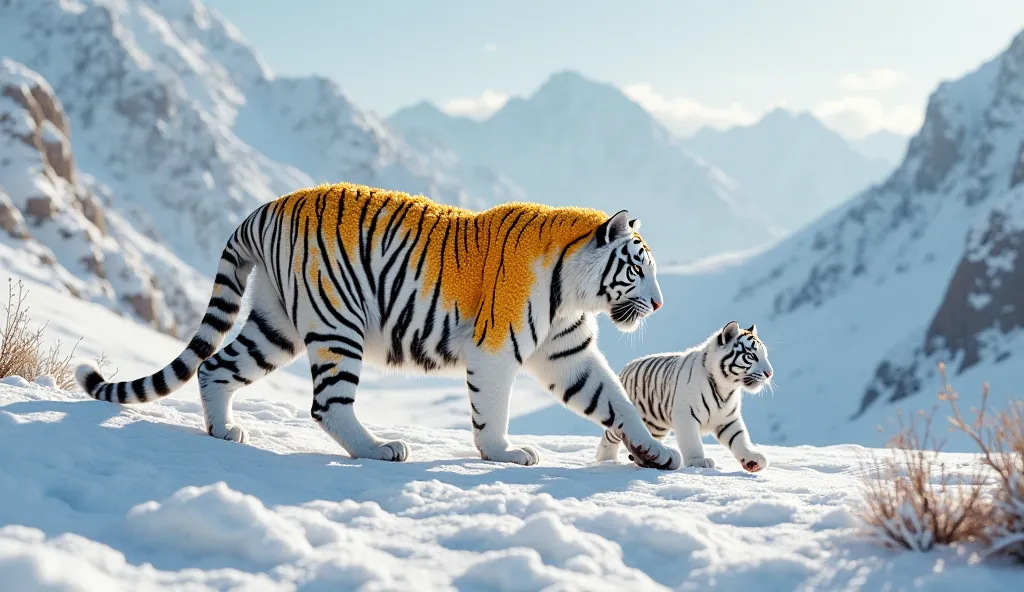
236, 262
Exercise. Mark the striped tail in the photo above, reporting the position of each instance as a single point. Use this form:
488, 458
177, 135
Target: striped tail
232, 276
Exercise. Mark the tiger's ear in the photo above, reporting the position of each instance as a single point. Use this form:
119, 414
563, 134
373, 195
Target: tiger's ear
613, 228
729, 332
753, 329
634, 224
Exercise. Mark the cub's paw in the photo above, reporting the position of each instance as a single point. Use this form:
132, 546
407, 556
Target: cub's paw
655, 456
520, 455
231, 432
701, 462
754, 462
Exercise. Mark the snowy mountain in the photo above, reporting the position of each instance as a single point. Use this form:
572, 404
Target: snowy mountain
186, 130
55, 228
576, 141
858, 308
796, 168
882, 145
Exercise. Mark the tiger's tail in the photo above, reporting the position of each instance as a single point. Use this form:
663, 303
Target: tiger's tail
236, 262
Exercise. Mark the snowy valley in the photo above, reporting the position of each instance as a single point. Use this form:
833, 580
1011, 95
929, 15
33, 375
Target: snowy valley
136, 134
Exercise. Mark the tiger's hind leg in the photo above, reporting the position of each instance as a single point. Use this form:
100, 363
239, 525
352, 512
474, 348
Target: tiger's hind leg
336, 360
267, 341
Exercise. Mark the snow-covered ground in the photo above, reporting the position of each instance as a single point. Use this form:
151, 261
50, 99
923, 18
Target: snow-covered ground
95, 496
101, 497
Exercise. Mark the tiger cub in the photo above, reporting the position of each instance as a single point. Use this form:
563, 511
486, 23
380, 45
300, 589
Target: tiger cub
696, 392
352, 275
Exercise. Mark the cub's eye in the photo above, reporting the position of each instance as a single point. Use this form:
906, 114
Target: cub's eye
636, 268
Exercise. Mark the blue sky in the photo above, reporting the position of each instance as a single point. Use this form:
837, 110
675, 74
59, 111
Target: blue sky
859, 65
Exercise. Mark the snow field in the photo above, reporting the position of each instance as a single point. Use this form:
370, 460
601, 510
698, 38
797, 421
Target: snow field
97, 496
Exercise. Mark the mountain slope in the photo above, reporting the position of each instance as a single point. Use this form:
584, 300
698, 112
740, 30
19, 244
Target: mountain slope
579, 142
56, 229
795, 167
858, 308
882, 145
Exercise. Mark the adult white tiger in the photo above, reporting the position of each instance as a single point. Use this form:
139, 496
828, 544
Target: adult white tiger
699, 391
360, 274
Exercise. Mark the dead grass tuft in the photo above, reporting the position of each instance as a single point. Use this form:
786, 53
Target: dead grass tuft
22, 351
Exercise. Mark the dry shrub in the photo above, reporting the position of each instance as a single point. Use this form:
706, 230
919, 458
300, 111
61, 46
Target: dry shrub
22, 352
913, 501
1000, 438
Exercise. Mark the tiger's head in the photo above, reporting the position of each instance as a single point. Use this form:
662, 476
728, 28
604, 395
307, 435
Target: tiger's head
739, 357
620, 273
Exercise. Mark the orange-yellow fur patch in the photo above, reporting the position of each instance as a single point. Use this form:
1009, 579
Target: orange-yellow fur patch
484, 261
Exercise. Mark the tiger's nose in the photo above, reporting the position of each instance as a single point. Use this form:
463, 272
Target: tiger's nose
655, 304
767, 374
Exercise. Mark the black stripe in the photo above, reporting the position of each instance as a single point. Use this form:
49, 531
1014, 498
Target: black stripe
335, 379
576, 387
220, 325
223, 305
694, 415
181, 370
224, 280
725, 427
139, 389
472, 387
271, 334
202, 348
478, 426
734, 437
611, 416
160, 384
571, 328
122, 392
529, 317
254, 352
515, 344
313, 337
593, 401
92, 380
241, 379
345, 353
556, 279
572, 350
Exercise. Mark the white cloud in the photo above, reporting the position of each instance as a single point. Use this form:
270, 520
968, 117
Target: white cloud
873, 80
480, 107
490, 47
684, 115
858, 116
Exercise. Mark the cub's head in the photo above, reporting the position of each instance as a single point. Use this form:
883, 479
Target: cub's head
739, 357
619, 274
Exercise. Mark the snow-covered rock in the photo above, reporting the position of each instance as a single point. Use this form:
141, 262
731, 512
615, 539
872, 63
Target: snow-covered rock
53, 224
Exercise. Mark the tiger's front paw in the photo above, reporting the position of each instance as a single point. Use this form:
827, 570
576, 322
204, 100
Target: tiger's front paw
701, 462
753, 462
230, 432
654, 456
520, 455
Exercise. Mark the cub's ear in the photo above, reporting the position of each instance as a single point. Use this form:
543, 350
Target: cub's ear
635, 224
729, 332
613, 228
753, 329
